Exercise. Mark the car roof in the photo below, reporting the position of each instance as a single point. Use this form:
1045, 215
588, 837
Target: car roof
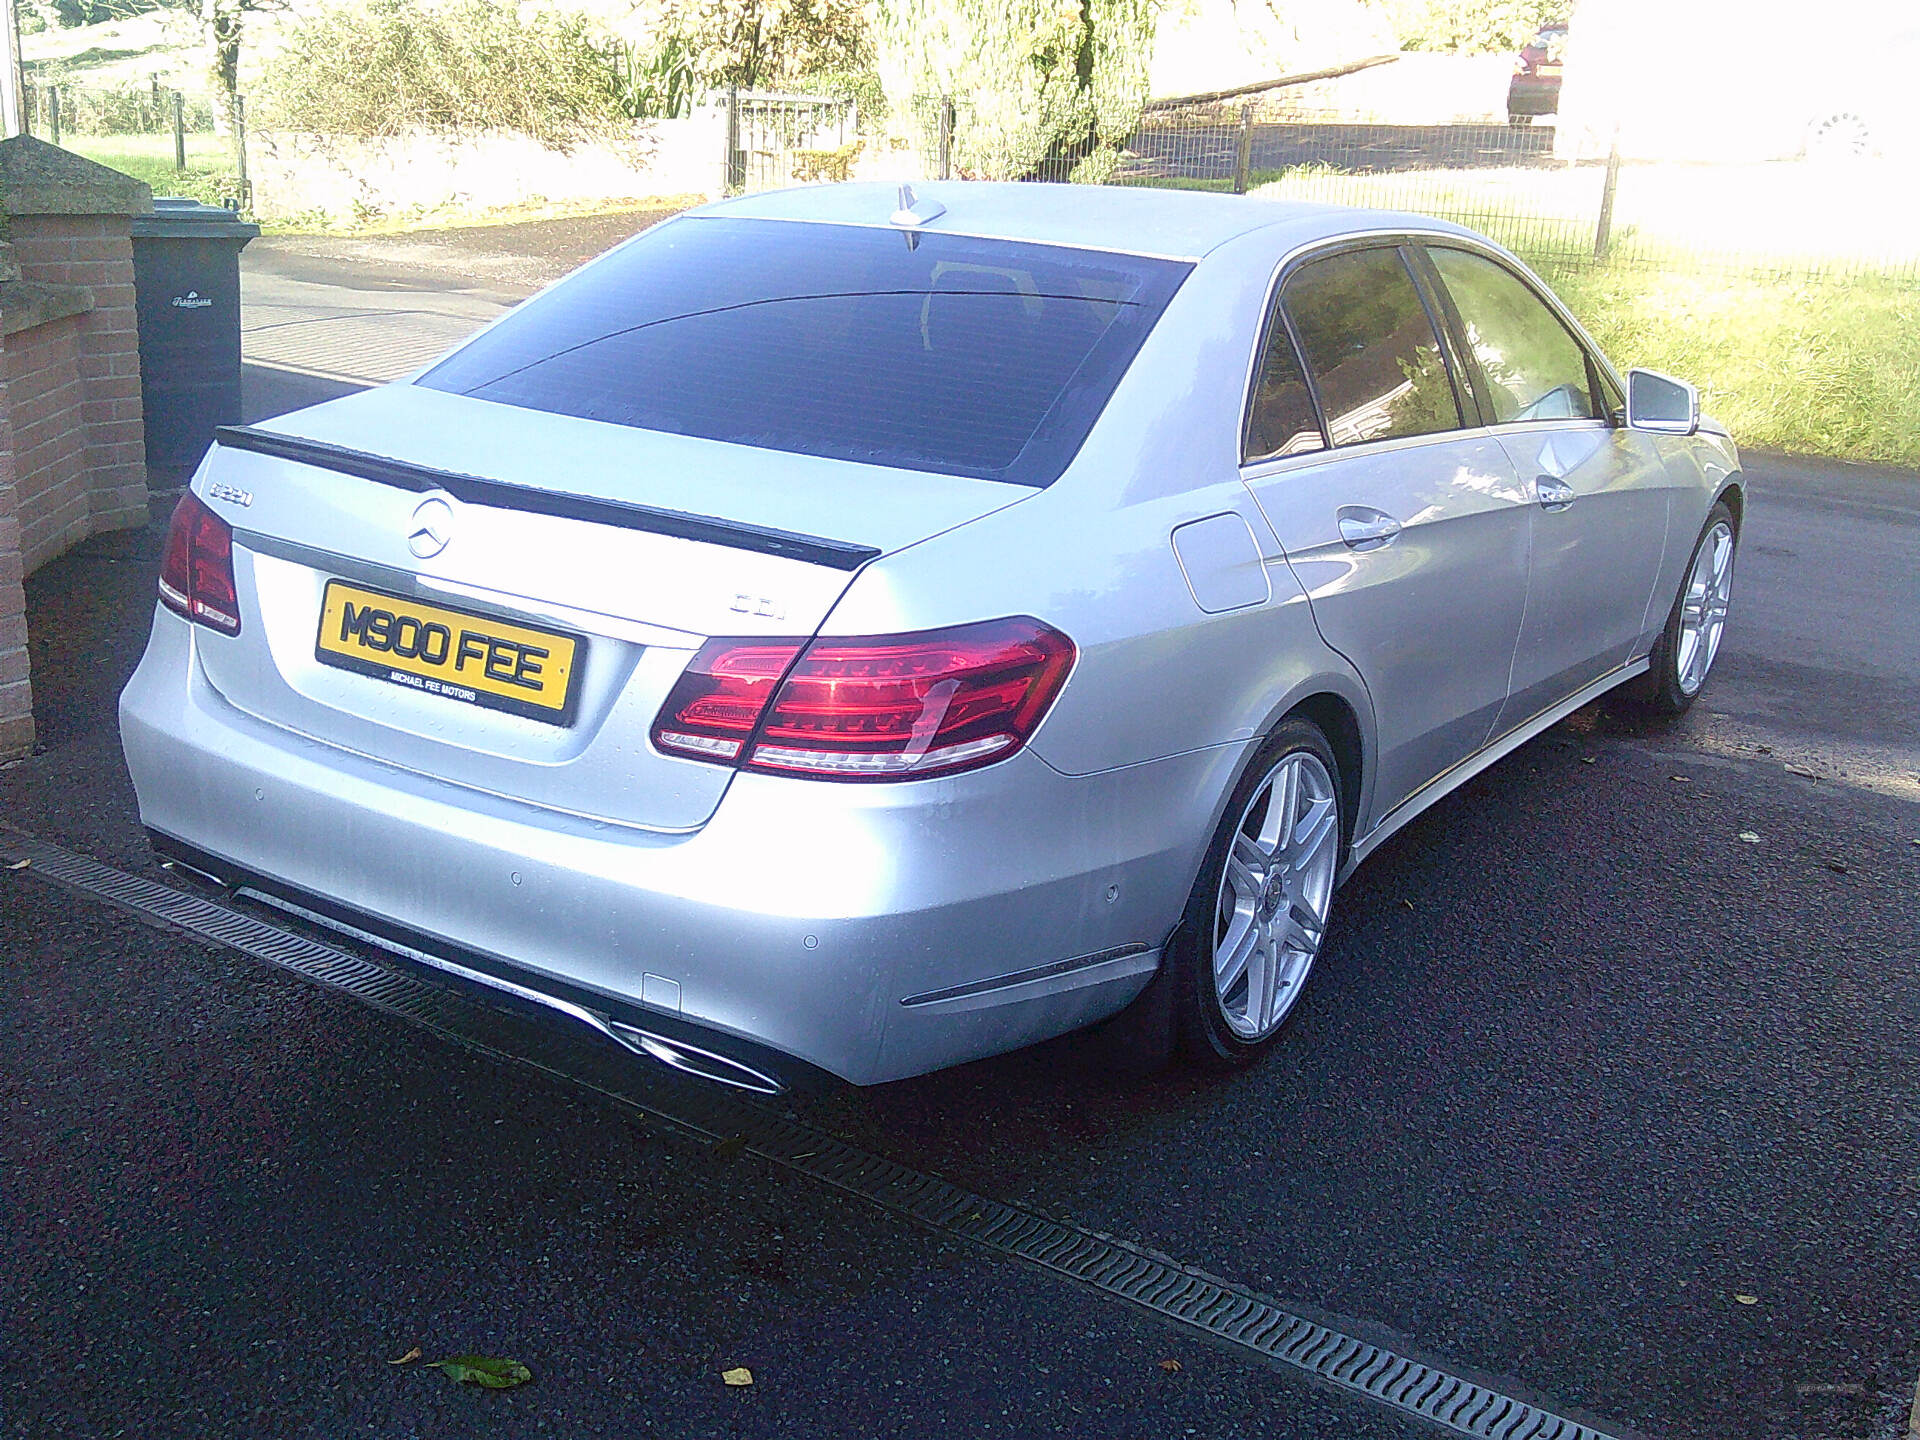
1140, 220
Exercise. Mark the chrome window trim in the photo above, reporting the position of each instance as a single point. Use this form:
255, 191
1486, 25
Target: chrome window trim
1276, 464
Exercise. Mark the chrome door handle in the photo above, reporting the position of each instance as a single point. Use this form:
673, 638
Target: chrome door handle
1364, 528
1554, 494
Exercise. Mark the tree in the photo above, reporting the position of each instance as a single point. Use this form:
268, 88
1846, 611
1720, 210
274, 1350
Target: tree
1038, 86
755, 43
221, 24
1473, 25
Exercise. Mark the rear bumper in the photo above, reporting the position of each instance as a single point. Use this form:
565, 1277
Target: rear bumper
874, 931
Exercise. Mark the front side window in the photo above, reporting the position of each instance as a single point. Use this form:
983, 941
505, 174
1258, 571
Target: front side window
1532, 366
1371, 348
984, 358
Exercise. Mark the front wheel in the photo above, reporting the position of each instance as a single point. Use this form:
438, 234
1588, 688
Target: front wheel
1258, 913
1685, 651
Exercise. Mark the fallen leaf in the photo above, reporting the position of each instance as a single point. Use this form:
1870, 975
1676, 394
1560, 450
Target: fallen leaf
1679, 779
1172, 1367
1586, 759
408, 1358
1749, 837
729, 1148
1748, 1299
19, 864
739, 1375
483, 1370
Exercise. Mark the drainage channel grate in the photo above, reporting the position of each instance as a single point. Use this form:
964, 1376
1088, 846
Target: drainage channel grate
1224, 1311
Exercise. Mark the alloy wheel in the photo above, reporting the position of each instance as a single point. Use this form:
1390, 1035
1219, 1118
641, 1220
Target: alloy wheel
1703, 610
1275, 892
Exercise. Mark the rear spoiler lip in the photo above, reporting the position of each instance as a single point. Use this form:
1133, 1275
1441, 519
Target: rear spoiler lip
500, 495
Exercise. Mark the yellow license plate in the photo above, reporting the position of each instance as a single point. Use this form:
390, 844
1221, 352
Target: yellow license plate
455, 653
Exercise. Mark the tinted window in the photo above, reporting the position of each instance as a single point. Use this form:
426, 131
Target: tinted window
1370, 347
1532, 366
1281, 419
971, 357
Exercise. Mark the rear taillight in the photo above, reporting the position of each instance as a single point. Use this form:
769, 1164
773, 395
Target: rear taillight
196, 573
882, 707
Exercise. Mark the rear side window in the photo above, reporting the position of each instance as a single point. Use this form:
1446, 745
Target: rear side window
1281, 420
1530, 365
930, 352
1370, 348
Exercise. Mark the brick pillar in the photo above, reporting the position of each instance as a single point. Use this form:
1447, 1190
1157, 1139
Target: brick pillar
16, 691
97, 252
71, 225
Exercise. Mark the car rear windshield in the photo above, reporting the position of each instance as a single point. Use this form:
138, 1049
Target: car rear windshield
931, 352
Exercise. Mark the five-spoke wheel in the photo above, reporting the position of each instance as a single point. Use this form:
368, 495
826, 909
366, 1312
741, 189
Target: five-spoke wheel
1258, 914
1685, 651
1274, 893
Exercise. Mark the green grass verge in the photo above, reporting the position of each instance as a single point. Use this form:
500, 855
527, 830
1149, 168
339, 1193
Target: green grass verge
1813, 368
210, 174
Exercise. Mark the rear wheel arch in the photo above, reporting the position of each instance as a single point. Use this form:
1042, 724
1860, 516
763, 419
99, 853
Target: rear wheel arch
1335, 717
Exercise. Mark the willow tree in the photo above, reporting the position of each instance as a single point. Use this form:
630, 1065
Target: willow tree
1037, 86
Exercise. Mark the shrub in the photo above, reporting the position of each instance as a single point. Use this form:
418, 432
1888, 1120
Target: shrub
386, 67
1038, 86
835, 164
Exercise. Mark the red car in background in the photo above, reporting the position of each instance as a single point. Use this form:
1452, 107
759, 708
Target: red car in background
1535, 87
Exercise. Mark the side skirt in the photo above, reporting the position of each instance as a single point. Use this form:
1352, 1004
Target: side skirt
1491, 753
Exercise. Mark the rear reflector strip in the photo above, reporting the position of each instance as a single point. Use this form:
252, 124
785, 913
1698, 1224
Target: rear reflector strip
596, 510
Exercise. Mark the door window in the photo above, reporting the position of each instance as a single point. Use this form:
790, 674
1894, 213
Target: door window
1371, 348
1281, 420
1530, 365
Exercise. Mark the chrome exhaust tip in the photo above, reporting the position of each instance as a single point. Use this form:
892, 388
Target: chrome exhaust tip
692, 1060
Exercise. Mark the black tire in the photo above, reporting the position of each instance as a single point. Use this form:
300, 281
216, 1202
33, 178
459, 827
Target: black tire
1659, 693
1199, 1027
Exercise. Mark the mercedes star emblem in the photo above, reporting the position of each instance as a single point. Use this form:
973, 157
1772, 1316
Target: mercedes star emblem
432, 528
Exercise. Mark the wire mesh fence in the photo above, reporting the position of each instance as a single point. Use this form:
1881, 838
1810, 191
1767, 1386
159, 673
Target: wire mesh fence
178, 142
1800, 219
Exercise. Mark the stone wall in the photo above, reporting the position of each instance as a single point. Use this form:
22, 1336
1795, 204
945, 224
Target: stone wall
295, 174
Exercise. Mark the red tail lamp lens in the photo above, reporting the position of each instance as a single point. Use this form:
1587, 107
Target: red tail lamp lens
713, 708
871, 708
196, 572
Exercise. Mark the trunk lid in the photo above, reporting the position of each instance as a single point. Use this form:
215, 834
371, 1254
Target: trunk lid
609, 553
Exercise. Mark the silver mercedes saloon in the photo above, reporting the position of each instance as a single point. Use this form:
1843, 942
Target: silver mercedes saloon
856, 631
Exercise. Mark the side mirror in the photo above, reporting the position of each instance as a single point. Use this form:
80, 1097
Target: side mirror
1661, 404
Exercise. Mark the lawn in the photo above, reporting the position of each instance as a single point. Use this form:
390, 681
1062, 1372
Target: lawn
1815, 368
210, 174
